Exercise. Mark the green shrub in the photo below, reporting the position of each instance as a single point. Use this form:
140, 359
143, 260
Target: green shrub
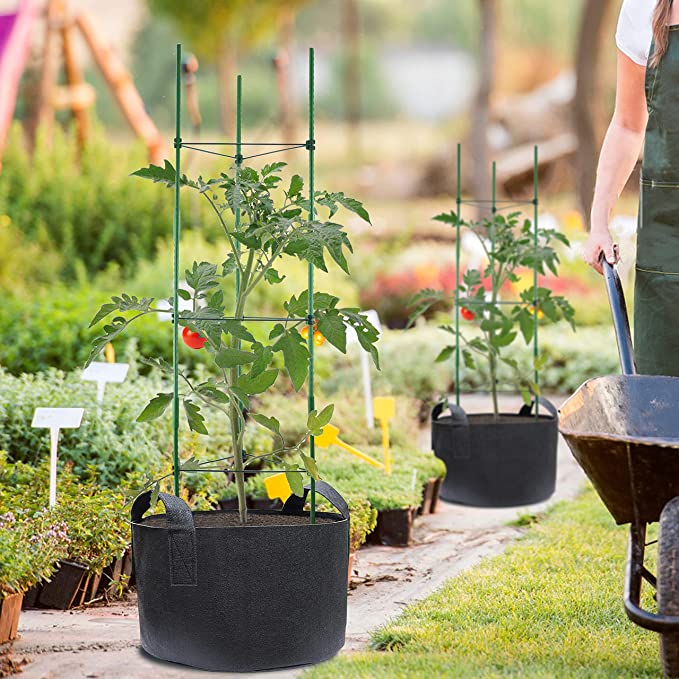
97, 530
85, 207
407, 360
49, 332
31, 544
110, 444
356, 479
24, 265
349, 415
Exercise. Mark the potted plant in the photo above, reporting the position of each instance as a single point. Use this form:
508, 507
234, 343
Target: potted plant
499, 459
247, 590
30, 546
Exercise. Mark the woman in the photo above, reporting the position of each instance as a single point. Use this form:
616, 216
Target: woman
647, 99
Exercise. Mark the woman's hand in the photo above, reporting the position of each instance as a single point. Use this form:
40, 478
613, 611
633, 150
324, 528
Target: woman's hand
600, 241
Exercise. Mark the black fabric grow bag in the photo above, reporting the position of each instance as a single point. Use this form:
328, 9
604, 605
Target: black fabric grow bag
505, 463
241, 598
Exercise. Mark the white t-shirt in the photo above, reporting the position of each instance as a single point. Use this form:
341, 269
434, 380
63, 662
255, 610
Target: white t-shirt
635, 29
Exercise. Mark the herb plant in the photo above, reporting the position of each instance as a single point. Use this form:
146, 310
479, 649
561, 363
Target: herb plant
509, 248
261, 223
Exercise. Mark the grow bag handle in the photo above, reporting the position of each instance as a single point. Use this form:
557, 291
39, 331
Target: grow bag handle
527, 410
295, 504
181, 535
462, 448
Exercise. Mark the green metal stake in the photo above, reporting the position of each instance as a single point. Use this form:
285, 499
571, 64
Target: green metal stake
536, 347
493, 211
239, 161
175, 282
458, 202
311, 405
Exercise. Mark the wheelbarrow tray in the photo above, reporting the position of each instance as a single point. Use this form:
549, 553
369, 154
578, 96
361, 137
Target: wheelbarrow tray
624, 432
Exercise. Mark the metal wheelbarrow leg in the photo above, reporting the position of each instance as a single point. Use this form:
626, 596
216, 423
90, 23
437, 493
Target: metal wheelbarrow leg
666, 621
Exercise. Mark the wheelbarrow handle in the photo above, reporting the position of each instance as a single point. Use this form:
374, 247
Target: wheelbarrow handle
616, 300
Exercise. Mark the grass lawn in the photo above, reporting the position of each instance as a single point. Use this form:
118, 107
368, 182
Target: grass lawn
550, 606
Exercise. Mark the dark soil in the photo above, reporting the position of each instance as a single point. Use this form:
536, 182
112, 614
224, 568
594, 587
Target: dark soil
231, 519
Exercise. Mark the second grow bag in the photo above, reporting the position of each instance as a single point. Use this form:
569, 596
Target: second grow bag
509, 462
241, 598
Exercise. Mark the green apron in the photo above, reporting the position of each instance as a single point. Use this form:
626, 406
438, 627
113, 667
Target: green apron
656, 293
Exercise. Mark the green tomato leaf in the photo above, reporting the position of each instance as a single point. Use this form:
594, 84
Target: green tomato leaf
295, 356
270, 423
164, 175
331, 326
155, 408
104, 311
259, 384
310, 466
184, 294
195, 419
230, 358
316, 421
154, 495
296, 482
445, 354
190, 465
202, 276
296, 186
237, 330
241, 395
271, 276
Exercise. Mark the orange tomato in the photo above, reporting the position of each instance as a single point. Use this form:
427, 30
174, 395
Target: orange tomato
319, 339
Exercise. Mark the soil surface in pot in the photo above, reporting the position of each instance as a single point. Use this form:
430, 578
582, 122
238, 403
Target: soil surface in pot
231, 519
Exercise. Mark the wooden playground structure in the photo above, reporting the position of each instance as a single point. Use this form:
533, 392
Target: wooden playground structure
56, 52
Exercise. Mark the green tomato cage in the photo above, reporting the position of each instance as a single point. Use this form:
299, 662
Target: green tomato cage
495, 206
238, 158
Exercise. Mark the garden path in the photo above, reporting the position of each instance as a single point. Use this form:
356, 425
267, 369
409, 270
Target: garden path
102, 643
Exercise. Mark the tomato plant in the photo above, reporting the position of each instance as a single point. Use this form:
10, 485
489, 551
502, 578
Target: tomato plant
275, 223
509, 246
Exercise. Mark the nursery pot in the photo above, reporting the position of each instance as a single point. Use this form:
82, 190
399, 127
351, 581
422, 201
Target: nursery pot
10, 610
63, 587
504, 462
239, 598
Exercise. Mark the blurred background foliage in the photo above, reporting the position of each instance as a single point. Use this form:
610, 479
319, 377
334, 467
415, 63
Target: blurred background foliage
397, 88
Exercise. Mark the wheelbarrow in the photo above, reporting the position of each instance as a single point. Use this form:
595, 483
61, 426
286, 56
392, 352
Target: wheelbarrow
624, 432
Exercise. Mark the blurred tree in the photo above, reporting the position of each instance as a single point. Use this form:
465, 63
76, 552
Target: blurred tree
587, 108
352, 72
217, 30
480, 118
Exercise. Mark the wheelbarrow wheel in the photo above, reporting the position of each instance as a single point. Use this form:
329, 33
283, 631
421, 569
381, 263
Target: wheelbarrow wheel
668, 583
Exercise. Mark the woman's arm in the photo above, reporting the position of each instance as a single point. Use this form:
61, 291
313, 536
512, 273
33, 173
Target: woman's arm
619, 155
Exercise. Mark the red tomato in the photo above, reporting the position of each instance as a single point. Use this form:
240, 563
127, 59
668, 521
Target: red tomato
467, 314
193, 340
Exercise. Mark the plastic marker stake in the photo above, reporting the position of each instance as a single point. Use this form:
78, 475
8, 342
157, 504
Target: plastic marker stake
384, 408
374, 318
110, 353
277, 486
102, 373
55, 419
330, 437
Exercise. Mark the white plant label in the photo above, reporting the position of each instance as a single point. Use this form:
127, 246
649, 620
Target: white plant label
56, 419
106, 372
374, 318
103, 373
